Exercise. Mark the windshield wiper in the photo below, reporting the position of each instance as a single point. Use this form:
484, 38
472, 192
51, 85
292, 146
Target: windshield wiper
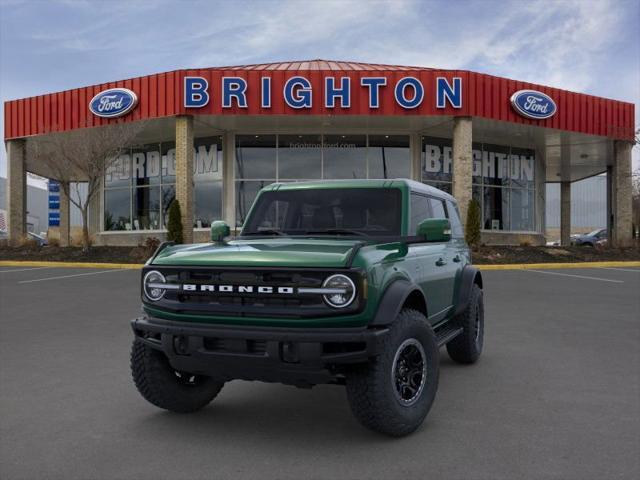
338, 231
267, 231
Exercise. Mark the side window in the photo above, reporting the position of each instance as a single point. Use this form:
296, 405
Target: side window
454, 218
437, 207
419, 211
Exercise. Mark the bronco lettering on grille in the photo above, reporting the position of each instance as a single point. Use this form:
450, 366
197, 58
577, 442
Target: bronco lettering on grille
190, 287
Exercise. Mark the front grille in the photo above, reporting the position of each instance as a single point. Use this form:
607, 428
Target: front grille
251, 304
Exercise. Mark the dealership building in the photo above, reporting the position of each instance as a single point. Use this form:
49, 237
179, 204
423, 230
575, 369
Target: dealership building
212, 138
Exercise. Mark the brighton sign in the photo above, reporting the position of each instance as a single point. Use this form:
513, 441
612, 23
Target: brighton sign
533, 104
298, 93
113, 103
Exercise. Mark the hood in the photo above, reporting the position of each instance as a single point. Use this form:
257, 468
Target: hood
276, 252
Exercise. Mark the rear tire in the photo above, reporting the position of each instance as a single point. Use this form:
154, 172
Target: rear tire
467, 347
167, 388
394, 393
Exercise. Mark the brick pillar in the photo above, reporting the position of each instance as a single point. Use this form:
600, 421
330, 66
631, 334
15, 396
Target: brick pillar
65, 216
16, 191
565, 213
621, 235
228, 179
184, 173
462, 163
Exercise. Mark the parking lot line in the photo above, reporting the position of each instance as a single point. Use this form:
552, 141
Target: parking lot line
576, 276
69, 276
637, 270
23, 269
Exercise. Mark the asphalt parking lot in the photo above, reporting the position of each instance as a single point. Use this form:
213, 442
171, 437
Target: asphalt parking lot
555, 395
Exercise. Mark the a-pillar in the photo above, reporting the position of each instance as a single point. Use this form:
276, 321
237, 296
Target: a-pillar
65, 214
228, 184
462, 163
621, 186
184, 173
565, 213
16, 191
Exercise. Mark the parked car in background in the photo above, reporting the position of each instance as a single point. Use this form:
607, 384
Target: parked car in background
591, 239
41, 240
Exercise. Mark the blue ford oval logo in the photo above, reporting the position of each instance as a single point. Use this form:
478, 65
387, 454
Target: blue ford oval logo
533, 104
114, 102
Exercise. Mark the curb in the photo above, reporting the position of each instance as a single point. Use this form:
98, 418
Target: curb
29, 263
550, 266
509, 266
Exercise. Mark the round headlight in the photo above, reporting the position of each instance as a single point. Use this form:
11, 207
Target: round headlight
342, 293
150, 285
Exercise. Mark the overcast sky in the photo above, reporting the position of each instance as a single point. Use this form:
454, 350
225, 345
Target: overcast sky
581, 45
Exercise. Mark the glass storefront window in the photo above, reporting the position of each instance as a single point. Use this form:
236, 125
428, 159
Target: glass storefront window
299, 156
150, 171
168, 162
496, 208
521, 210
246, 193
445, 187
118, 174
168, 194
389, 156
208, 203
146, 208
256, 156
345, 156
145, 165
117, 205
436, 160
207, 159
503, 181
522, 167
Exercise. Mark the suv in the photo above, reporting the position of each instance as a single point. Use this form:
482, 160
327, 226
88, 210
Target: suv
353, 282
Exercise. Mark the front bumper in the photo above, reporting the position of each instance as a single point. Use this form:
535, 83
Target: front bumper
297, 356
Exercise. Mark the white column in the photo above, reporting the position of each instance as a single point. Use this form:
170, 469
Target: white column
16, 191
184, 173
565, 213
621, 234
462, 163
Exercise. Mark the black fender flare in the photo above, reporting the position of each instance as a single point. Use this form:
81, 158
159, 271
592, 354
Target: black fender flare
470, 275
392, 301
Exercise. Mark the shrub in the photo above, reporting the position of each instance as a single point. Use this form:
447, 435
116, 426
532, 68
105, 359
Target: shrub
472, 230
54, 242
174, 225
151, 243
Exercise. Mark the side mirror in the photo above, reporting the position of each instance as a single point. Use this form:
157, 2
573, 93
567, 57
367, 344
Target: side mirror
219, 230
435, 230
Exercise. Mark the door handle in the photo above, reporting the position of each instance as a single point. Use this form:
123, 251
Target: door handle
441, 262
457, 259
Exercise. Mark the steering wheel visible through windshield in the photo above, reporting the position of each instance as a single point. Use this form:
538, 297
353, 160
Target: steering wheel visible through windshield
326, 211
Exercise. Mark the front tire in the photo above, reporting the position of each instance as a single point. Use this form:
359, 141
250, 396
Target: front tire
467, 347
167, 388
394, 393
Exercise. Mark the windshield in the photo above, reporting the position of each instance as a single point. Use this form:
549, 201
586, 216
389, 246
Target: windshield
330, 211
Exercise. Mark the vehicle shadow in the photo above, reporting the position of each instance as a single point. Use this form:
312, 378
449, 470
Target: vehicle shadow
254, 412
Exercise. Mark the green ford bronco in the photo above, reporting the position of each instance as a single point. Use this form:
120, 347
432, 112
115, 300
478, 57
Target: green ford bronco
352, 282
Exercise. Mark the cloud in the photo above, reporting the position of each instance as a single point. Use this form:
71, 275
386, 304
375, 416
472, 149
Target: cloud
583, 45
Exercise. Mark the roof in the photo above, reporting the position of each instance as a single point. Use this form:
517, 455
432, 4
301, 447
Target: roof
163, 95
320, 64
361, 183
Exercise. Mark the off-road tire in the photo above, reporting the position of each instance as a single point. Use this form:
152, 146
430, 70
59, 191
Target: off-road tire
162, 386
371, 388
467, 347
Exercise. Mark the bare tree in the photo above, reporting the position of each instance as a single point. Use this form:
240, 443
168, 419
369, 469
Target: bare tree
82, 156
